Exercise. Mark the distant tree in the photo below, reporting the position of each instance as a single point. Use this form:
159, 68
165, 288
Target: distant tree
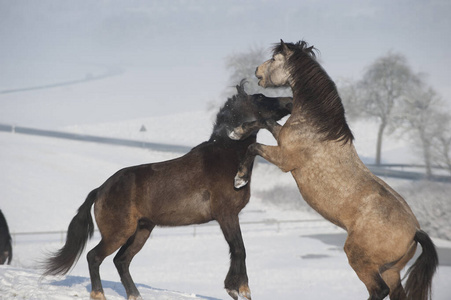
441, 145
242, 65
382, 87
349, 95
420, 111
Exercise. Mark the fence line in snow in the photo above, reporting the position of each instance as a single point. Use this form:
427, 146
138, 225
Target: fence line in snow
190, 229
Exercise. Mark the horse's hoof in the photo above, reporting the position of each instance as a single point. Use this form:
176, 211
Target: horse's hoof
239, 182
244, 294
97, 296
135, 298
234, 136
233, 294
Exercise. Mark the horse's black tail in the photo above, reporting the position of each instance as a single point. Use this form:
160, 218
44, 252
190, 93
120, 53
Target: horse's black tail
419, 275
81, 228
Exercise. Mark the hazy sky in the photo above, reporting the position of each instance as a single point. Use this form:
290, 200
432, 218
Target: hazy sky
185, 43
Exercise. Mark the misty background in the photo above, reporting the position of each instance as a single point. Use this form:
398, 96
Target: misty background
161, 57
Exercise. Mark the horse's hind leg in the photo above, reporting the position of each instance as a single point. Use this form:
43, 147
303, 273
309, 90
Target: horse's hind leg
106, 247
95, 259
373, 281
392, 277
367, 271
236, 282
127, 252
393, 280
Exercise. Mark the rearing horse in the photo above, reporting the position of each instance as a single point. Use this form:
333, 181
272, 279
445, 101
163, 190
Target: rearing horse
316, 146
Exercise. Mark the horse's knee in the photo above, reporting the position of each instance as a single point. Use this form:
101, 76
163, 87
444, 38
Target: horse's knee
94, 260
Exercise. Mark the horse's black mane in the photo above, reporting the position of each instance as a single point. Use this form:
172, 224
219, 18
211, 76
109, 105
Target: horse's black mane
231, 114
316, 92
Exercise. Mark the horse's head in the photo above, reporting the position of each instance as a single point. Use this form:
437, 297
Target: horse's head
275, 72
243, 108
259, 107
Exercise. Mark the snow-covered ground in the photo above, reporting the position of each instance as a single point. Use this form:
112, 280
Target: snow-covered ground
292, 253
44, 180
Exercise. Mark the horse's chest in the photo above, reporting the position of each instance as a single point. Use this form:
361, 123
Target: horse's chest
297, 144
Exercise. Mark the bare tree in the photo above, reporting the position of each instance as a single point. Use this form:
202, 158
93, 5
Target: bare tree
349, 95
421, 109
383, 86
242, 66
441, 145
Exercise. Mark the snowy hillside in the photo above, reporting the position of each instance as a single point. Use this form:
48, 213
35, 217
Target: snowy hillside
191, 128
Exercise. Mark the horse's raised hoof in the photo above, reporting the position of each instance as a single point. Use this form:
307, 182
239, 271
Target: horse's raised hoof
234, 135
243, 294
240, 182
97, 296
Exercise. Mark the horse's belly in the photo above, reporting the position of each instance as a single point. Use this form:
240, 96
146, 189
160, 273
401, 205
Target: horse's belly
321, 198
180, 218
194, 209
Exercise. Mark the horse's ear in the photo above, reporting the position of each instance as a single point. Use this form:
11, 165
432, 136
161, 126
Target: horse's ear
284, 47
240, 87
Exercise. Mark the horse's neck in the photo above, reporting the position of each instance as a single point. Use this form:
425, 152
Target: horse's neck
297, 104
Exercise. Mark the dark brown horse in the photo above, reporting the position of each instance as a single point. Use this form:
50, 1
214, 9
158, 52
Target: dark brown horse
316, 146
193, 189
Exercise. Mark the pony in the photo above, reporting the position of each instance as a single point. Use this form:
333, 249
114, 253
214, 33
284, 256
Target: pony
193, 189
6, 249
316, 146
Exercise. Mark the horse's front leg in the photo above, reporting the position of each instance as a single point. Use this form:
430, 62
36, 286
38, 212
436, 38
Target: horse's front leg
236, 282
273, 154
273, 127
244, 130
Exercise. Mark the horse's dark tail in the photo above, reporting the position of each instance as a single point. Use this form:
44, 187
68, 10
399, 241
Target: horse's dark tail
81, 228
419, 275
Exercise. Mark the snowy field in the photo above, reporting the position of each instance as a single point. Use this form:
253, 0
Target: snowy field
47, 179
292, 253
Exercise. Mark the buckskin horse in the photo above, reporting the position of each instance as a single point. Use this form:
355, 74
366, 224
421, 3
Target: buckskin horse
316, 146
195, 188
